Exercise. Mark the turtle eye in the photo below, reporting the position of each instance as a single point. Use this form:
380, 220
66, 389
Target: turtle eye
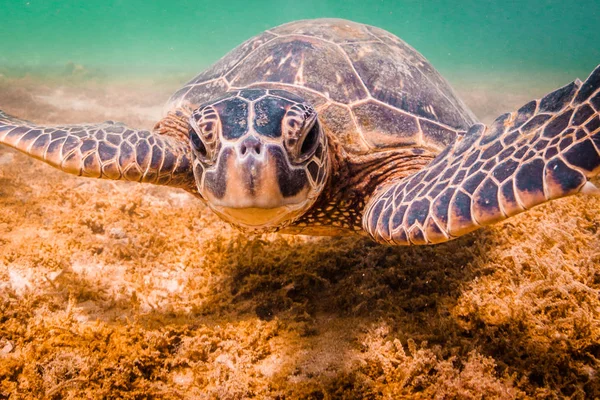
301, 132
198, 144
204, 133
311, 139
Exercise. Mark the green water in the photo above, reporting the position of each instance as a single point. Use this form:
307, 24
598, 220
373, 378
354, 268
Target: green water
184, 36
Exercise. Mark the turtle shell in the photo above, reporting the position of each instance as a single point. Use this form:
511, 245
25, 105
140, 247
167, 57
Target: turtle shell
371, 89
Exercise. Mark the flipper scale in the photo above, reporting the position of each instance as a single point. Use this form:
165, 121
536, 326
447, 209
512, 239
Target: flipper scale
546, 150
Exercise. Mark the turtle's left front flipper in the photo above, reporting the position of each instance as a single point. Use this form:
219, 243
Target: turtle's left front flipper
548, 149
107, 150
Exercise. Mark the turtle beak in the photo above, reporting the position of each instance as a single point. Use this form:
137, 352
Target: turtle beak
250, 186
254, 218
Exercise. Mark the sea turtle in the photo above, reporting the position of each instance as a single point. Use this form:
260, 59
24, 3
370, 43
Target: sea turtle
331, 127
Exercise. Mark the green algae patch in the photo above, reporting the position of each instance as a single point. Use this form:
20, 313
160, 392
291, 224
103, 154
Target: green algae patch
118, 290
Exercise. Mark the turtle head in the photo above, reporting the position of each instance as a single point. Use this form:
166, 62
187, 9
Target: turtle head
260, 157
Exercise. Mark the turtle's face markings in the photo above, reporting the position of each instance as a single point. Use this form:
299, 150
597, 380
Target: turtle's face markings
260, 157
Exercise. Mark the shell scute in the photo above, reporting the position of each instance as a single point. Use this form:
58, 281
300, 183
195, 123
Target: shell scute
436, 135
302, 61
384, 127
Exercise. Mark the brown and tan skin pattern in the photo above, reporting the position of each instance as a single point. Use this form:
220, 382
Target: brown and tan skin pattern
108, 150
547, 149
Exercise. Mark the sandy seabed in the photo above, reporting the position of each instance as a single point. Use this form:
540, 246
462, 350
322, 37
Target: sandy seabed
119, 290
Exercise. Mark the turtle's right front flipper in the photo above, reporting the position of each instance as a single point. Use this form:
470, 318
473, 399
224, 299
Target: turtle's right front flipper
547, 149
107, 150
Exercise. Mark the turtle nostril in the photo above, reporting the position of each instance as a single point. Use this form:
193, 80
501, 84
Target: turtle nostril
251, 144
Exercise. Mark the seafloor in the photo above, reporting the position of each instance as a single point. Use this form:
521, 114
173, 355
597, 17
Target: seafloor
117, 290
